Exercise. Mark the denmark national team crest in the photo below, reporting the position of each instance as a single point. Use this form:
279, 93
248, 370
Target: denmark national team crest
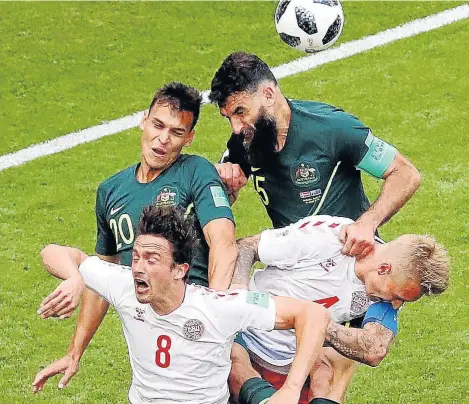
360, 303
167, 196
193, 329
304, 174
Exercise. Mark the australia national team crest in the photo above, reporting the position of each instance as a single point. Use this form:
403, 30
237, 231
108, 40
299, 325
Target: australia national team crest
167, 196
193, 329
304, 174
360, 303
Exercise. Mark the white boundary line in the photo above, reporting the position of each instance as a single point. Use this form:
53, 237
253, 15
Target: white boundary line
303, 64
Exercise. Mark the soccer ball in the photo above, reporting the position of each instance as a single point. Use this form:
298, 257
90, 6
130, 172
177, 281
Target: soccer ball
309, 25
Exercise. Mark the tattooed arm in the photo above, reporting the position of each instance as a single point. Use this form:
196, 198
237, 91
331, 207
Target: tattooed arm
247, 257
368, 345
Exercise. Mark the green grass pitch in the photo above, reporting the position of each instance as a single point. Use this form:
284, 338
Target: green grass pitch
71, 65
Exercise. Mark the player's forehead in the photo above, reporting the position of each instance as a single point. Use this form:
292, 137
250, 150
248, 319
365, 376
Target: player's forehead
407, 291
170, 116
152, 244
243, 99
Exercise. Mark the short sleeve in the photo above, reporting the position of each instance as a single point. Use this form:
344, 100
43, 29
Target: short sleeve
282, 247
357, 145
310, 238
349, 137
107, 279
249, 309
209, 194
105, 240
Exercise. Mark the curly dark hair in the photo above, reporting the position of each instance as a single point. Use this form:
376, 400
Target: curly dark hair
170, 223
179, 97
239, 72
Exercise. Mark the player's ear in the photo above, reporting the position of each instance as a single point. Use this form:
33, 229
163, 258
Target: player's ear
384, 268
190, 138
144, 118
180, 271
269, 95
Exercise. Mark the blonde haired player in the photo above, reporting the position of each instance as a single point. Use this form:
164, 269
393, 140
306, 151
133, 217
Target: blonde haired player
179, 336
305, 260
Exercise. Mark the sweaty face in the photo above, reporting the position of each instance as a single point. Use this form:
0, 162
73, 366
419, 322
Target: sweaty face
165, 132
249, 119
152, 267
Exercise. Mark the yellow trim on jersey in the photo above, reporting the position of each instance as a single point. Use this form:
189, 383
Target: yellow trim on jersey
321, 202
188, 210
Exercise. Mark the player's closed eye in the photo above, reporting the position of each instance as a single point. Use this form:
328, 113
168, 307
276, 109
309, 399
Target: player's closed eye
239, 111
177, 133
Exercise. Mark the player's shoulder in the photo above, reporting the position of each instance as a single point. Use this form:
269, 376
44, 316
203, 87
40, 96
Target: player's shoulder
197, 168
195, 161
323, 228
335, 117
95, 262
117, 179
207, 297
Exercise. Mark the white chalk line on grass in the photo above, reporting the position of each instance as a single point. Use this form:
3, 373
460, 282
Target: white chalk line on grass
303, 64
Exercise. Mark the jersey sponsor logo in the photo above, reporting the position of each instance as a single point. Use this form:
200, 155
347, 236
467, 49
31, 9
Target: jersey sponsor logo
360, 303
258, 298
140, 312
304, 174
219, 197
328, 264
167, 196
193, 329
311, 196
115, 210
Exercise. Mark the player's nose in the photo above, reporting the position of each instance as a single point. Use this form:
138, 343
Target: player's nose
164, 136
236, 126
397, 303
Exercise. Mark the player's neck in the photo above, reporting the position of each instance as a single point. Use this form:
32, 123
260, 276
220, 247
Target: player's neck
146, 174
169, 300
282, 117
368, 264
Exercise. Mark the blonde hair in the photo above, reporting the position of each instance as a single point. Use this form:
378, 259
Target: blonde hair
426, 261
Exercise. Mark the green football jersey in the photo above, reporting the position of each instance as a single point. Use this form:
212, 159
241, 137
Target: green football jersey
318, 169
191, 182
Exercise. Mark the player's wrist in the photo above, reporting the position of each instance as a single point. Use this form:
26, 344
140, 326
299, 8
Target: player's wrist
74, 355
369, 220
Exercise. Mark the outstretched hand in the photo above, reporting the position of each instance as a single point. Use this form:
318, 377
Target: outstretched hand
63, 300
68, 366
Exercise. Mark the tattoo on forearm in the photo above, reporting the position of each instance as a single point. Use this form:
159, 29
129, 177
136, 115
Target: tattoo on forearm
363, 345
247, 257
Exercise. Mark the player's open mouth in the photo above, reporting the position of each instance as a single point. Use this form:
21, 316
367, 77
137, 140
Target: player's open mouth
141, 286
158, 152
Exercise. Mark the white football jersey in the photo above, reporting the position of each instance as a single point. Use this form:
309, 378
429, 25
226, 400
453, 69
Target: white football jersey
304, 260
184, 356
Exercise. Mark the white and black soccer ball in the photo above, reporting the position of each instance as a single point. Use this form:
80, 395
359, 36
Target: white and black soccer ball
309, 25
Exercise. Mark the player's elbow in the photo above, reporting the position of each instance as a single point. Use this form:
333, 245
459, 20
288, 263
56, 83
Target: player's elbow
319, 314
48, 252
376, 357
415, 177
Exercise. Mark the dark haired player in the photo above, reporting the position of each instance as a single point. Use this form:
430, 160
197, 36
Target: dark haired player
165, 177
306, 159
180, 336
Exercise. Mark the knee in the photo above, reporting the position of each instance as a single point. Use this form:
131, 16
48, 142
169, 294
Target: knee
321, 380
241, 370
